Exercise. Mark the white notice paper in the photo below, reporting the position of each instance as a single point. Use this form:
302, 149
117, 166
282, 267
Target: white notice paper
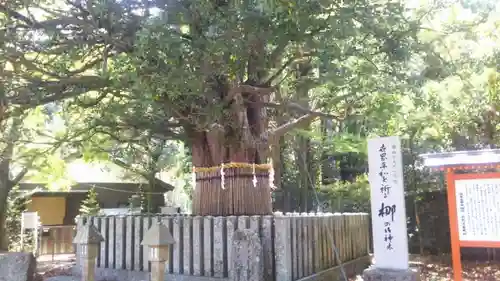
390, 241
478, 210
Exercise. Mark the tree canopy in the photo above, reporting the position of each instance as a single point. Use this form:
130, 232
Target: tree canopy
199, 65
228, 79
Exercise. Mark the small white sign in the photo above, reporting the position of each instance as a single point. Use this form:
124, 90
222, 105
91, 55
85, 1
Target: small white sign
478, 211
30, 220
119, 211
390, 240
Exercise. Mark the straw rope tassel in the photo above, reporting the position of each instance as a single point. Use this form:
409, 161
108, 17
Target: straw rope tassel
254, 176
271, 177
193, 178
222, 176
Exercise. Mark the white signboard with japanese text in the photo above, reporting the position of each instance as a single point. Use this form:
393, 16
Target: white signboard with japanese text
478, 211
30, 220
390, 241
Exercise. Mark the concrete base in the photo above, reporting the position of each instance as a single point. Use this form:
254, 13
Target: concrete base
378, 274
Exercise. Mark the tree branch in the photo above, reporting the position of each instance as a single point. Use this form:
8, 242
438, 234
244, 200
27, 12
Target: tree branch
56, 90
13, 14
283, 129
248, 89
161, 129
11, 138
157, 181
92, 103
299, 108
284, 66
13, 182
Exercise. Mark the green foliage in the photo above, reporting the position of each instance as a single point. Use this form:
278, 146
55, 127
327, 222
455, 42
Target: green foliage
164, 73
90, 206
344, 196
16, 204
143, 200
445, 98
145, 85
134, 202
51, 170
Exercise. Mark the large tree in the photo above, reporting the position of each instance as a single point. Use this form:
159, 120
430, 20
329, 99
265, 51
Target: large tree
210, 73
31, 75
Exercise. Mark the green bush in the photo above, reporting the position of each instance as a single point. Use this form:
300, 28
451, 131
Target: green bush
344, 196
90, 206
16, 205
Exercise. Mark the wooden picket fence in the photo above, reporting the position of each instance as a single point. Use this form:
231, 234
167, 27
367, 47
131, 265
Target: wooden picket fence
57, 240
297, 245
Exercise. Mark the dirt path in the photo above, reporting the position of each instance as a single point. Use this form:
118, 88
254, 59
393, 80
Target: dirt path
439, 269
48, 263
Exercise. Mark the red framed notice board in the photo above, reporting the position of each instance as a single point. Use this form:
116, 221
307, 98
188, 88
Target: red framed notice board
474, 210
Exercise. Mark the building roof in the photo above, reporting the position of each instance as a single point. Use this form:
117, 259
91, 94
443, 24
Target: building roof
40, 188
486, 157
79, 171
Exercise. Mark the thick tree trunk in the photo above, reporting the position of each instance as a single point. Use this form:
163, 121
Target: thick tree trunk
229, 150
303, 143
229, 162
287, 192
5, 187
231, 177
4, 241
305, 176
277, 156
239, 191
6, 183
237, 184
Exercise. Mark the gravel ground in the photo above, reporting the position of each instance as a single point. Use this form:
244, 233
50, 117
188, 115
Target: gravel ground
59, 265
431, 269
439, 269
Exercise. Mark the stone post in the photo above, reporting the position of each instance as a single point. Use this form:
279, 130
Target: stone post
283, 247
379, 274
87, 240
158, 239
247, 256
387, 195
